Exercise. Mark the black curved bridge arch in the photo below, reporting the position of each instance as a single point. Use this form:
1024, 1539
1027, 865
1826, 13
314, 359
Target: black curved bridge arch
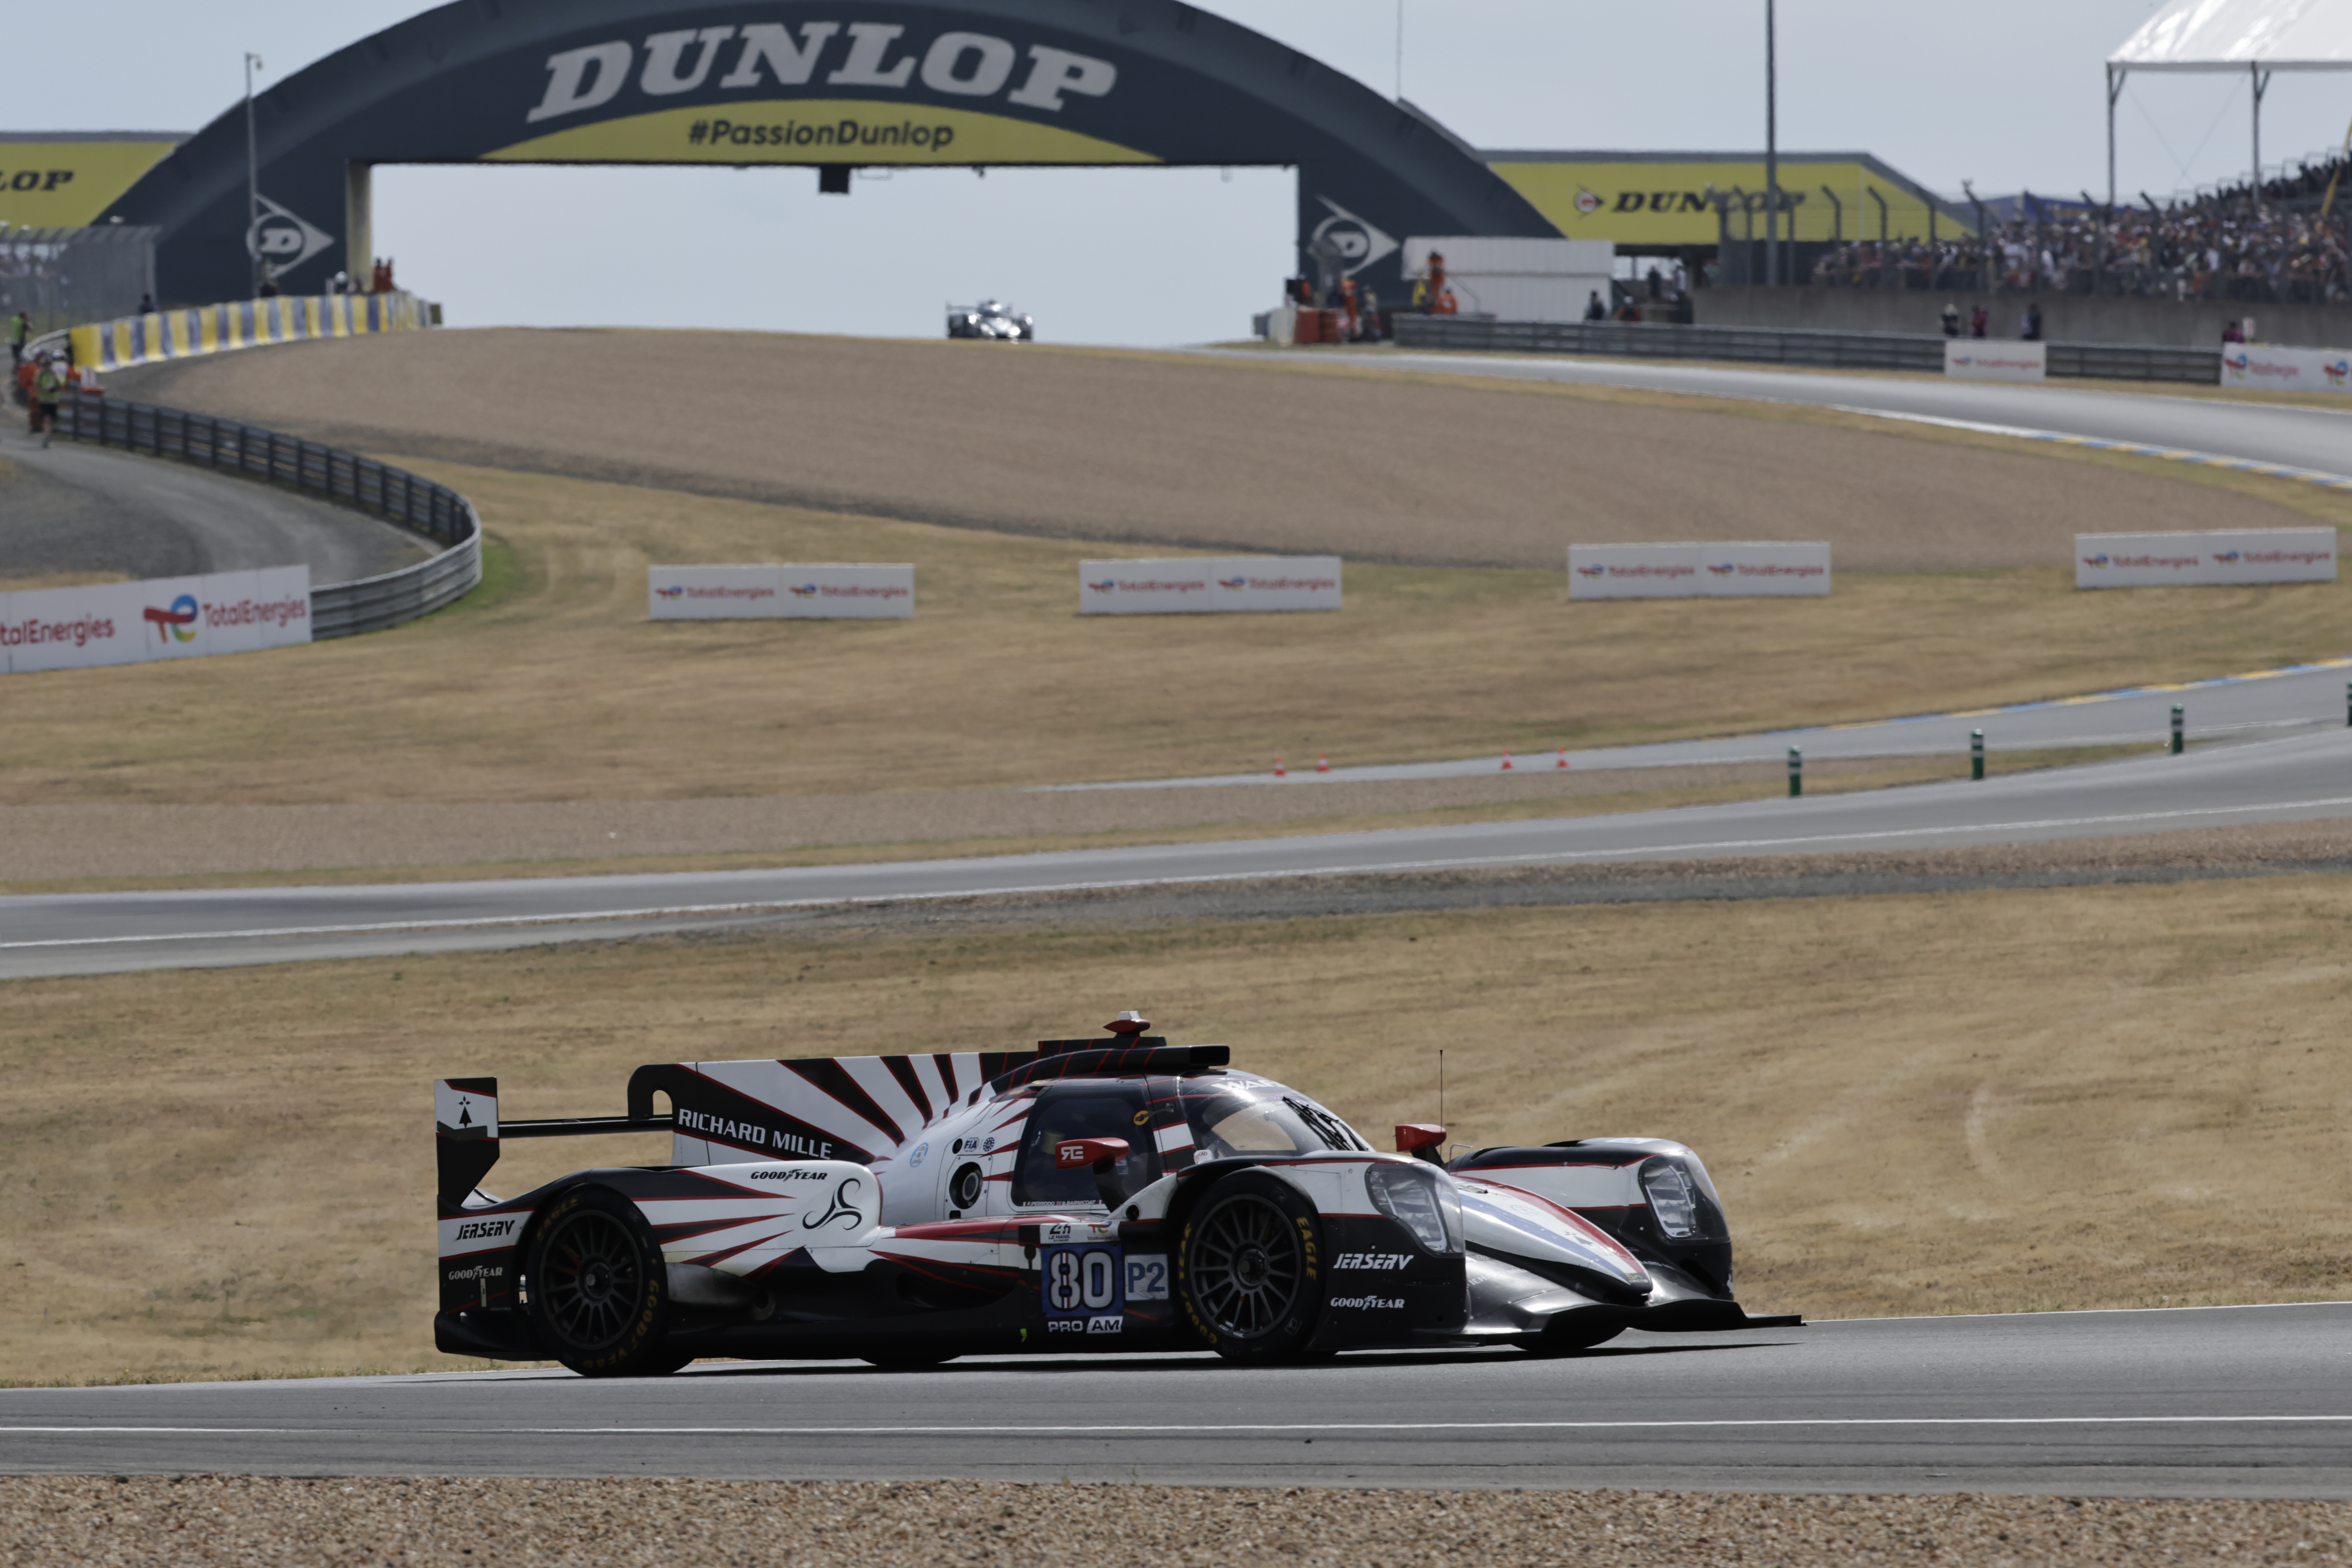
828, 82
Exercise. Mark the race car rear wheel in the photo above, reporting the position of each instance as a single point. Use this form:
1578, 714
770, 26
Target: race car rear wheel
1251, 1269
599, 1289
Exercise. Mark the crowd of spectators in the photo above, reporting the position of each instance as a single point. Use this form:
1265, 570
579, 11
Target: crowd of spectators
2229, 245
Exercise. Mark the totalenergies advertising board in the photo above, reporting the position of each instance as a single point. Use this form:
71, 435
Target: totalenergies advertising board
1201, 585
834, 592
166, 617
2220, 558
56, 179
2255, 367
1747, 569
1638, 199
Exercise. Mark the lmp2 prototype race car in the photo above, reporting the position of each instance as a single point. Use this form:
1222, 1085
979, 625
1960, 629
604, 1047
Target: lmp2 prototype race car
993, 320
1095, 1195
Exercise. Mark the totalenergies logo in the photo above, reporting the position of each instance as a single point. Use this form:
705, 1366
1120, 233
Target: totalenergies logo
674, 591
2228, 557
1108, 586
803, 590
2100, 560
2337, 371
1592, 571
1726, 570
2234, 360
1235, 583
177, 624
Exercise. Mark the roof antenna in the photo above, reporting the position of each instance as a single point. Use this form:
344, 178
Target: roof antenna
1129, 1023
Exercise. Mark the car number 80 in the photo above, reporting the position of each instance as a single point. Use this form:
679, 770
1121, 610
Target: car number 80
1082, 1281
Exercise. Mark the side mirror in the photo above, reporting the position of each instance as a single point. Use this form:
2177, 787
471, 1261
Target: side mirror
1420, 1140
1103, 1154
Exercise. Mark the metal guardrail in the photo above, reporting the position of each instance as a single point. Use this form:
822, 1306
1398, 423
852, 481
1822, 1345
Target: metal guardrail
346, 479
1767, 345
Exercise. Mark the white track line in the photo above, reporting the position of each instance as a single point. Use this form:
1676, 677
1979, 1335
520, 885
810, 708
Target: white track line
1377, 868
1162, 1430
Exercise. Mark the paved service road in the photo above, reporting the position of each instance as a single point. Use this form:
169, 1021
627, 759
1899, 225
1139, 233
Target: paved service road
2299, 777
2305, 438
2269, 702
2246, 1401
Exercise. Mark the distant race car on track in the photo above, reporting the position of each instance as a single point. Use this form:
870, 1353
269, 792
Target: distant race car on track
991, 319
1116, 1193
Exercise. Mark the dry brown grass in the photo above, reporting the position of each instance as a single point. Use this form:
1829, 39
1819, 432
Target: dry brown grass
551, 685
1994, 1100
1217, 453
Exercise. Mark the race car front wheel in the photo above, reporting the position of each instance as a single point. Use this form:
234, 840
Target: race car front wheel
1251, 1269
599, 1289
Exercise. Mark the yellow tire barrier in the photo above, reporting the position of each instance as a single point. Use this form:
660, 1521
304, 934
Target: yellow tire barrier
245, 324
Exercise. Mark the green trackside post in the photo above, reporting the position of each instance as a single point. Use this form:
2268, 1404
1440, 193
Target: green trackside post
1976, 753
1796, 772
2180, 731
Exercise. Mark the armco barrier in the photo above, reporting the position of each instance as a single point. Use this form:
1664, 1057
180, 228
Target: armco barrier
399, 496
1761, 346
245, 324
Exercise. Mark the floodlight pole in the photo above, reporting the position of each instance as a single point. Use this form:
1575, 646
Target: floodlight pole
1399, 51
1772, 151
252, 176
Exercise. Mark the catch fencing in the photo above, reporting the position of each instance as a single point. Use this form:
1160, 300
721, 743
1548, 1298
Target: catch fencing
346, 479
58, 275
1814, 350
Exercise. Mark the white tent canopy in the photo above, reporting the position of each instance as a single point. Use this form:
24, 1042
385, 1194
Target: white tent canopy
2241, 34
2257, 37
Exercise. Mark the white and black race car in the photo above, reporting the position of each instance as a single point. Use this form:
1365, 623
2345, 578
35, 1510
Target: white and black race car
991, 319
1096, 1194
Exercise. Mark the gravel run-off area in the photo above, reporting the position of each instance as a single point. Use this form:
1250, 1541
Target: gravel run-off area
243, 1519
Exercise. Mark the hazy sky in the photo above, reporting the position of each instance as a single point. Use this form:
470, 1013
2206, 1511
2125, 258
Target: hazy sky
2007, 92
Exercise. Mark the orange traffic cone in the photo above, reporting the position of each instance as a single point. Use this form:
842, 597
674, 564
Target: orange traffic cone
1563, 758
1322, 763
1278, 769
1507, 761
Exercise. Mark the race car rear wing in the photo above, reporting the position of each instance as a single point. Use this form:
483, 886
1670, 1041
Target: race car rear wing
467, 1130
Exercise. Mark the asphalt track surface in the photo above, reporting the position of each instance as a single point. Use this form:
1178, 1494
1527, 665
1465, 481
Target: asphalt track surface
2296, 777
86, 509
2299, 436
2241, 1402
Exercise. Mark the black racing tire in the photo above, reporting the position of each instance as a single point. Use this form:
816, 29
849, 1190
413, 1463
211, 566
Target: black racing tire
1250, 1269
598, 1288
1567, 1339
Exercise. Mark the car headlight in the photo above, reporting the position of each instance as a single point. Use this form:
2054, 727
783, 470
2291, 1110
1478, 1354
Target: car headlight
1420, 1200
1672, 1201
